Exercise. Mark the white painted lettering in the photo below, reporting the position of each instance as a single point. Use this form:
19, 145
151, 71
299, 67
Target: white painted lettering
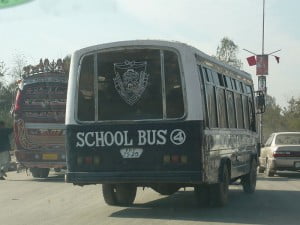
119, 138
109, 138
151, 137
90, 144
127, 142
99, 139
161, 137
80, 140
142, 137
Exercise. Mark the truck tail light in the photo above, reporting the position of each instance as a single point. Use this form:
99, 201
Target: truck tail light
18, 102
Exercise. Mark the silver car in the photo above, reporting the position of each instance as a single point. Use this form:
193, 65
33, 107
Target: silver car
280, 152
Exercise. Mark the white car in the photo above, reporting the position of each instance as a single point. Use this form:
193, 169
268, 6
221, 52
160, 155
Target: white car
280, 152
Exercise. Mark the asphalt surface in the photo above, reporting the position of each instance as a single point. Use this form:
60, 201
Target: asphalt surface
28, 201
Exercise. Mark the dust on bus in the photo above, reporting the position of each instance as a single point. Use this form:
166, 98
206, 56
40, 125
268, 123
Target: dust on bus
159, 114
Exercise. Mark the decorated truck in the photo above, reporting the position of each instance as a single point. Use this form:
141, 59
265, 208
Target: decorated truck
39, 114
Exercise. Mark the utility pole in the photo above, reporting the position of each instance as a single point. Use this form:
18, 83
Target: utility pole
261, 62
262, 79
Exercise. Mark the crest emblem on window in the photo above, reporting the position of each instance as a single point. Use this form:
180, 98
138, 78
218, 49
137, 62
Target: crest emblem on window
131, 80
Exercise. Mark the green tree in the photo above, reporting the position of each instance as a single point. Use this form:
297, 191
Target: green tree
227, 52
8, 87
291, 114
3, 69
273, 119
18, 64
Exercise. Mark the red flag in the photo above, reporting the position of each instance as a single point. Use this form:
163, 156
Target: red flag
251, 60
277, 58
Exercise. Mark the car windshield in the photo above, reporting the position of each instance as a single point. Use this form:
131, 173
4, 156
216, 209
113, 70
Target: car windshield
288, 139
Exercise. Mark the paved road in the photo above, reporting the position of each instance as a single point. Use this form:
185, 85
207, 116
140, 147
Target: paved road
28, 201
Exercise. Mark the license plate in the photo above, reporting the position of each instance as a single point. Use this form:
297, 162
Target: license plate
297, 165
130, 153
50, 156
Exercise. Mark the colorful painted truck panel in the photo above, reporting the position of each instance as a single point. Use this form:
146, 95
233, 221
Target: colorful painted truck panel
39, 115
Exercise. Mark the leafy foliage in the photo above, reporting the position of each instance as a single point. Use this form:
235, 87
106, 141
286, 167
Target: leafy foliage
277, 119
227, 52
3, 69
292, 114
273, 120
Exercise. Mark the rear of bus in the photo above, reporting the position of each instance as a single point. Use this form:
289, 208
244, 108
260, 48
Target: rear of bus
127, 119
39, 116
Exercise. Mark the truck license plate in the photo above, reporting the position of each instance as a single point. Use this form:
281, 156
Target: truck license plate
50, 157
129, 153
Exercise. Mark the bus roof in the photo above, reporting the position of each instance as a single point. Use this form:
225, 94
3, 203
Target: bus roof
160, 43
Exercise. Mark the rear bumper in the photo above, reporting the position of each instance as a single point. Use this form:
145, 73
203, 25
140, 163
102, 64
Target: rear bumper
141, 178
285, 164
39, 159
61, 165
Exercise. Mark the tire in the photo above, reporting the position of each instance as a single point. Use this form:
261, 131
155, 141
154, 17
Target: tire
219, 191
108, 191
35, 172
44, 172
268, 171
57, 170
202, 194
249, 180
40, 172
125, 194
165, 189
119, 194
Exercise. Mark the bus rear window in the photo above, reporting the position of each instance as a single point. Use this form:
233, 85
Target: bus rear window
132, 84
129, 85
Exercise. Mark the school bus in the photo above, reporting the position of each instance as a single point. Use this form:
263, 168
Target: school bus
159, 114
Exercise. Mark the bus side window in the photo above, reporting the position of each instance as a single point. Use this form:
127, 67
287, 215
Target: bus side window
246, 112
215, 78
231, 109
212, 102
222, 111
242, 87
234, 84
174, 97
239, 110
210, 98
252, 115
85, 106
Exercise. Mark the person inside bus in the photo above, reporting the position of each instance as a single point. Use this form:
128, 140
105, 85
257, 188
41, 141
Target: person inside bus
4, 149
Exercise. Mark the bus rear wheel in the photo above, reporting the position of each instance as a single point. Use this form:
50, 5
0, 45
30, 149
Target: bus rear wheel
249, 180
119, 194
108, 192
219, 192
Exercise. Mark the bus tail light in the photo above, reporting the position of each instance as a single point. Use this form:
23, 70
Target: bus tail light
88, 160
96, 161
175, 159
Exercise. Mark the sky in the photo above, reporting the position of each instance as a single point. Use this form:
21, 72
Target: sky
56, 28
